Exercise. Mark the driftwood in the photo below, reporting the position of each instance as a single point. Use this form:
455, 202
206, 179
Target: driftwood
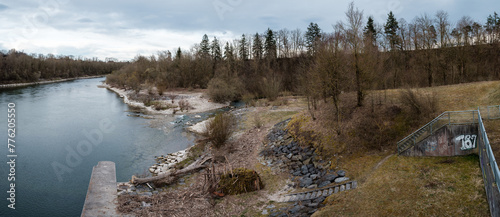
173, 175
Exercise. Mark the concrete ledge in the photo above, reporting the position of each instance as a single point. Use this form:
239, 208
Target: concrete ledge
101, 197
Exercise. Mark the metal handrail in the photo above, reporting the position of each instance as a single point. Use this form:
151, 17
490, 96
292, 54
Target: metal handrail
489, 152
433, 129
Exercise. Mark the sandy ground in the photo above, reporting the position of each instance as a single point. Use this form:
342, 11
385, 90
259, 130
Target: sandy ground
197, 101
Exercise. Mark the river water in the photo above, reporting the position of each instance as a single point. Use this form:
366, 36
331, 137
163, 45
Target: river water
62, 131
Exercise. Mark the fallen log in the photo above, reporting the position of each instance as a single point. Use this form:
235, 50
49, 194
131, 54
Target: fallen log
170, 177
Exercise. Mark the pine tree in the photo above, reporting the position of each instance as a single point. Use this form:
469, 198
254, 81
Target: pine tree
313, 34
257, 47
228, 52
270, 44
205, 46
178, 54
243, 48
391, 30
369, 32
216, 51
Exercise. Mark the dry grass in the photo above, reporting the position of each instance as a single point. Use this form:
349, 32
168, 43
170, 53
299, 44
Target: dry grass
406, 186
453, 97
493, 130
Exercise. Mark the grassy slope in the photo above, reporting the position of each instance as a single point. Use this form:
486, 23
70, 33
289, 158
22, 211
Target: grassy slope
405, 186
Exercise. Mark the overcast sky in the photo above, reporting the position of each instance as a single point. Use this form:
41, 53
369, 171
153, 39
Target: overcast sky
123, 28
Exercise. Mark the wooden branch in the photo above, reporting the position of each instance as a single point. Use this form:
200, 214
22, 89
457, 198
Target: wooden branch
172, 176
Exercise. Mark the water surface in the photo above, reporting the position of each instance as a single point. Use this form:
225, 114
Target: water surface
55, 122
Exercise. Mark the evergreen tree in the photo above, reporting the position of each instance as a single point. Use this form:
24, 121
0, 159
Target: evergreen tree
270, 44
313, 34
257, 47
391, 30
205, 46
243, 48
216, 51
178, 54
369, 32
228, 51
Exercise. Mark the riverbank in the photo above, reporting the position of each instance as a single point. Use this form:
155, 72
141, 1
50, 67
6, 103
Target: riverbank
241, 151
173, 102
48, 82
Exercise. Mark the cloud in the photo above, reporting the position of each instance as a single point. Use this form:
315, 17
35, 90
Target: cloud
3, 7
85, 20
125, 28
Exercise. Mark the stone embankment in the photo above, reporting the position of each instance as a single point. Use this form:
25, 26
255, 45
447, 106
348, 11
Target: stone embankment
307, 171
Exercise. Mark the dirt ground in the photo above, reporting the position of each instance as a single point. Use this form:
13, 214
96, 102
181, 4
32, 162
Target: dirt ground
242, 150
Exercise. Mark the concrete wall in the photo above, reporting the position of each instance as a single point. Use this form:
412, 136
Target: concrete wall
450, 140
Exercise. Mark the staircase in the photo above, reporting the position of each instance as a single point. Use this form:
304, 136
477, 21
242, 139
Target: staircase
446, 118
316, 193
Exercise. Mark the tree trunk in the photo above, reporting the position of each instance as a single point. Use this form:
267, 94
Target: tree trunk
172, 176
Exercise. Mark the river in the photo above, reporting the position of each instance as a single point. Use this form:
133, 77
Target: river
62, 131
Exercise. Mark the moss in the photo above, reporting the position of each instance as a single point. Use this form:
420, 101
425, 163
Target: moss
194, 153
298, 129
240, 181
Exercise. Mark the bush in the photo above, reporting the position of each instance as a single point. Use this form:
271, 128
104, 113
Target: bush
221, 91
420, 105
257, 121
240, 181
184, 105
271, 87
219, 129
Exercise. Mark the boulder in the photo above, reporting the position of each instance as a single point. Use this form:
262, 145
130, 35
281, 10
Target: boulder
330, 177
314, 176
304, 169
341, 179
304, 182
307, 161
323, 184
341, 173
296, 209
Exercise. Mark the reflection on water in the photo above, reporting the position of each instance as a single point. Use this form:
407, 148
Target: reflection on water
55, 124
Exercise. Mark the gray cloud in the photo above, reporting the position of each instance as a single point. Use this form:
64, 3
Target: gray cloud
3, 7
85, 20
125, 28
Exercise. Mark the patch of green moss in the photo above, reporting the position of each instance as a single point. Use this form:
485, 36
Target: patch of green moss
240, 181
194, 153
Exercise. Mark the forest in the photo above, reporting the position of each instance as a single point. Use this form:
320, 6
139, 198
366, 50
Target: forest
357, 54
19, 67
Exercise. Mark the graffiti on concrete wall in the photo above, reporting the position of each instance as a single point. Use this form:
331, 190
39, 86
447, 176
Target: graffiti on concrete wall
468, 141
430, 146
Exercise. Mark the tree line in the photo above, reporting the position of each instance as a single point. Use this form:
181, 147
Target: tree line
357, 55
19, 67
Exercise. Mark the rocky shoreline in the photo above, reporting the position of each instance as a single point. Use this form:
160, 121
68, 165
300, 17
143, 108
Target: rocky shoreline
307, 171
196, 101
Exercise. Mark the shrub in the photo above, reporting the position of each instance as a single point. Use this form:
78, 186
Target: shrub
420, 105
184, 105
271, 87
240, 181
257, 121
221, 91
219, 129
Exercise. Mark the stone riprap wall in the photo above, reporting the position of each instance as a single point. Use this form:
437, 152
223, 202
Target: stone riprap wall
451, 140
308, 171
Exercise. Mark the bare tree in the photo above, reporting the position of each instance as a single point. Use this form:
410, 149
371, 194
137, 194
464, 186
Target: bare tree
297, 40
443, 26
353, 31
